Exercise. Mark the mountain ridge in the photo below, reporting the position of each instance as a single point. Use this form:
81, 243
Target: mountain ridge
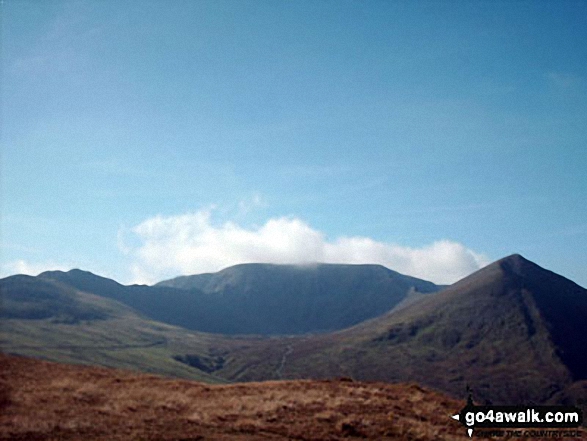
264, 299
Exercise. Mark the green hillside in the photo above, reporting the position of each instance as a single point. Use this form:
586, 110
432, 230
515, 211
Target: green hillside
50, 320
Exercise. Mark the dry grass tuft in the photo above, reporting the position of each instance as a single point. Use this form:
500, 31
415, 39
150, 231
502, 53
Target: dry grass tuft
60, 402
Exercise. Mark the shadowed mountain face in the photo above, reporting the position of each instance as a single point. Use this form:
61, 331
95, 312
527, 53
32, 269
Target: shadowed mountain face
262, 298
188, 309
562, 305
513, 331
31, 298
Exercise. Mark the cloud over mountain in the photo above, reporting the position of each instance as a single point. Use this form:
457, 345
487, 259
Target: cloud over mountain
165, 246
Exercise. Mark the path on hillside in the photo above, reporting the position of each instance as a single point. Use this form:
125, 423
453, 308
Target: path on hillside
279, 370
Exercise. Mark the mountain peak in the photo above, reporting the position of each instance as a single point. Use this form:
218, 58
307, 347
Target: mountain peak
517, 258
514, 266
51, 273
295, 299
80, 279
80, 272
75, 272
557, 302
517, 264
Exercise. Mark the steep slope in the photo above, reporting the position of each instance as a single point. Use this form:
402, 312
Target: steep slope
294, 299
563, 306
513, 331
260, 298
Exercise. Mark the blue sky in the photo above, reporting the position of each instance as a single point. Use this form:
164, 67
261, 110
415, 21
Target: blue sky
143, 139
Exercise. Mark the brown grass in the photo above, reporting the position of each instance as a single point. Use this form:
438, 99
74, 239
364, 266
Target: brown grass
48, 401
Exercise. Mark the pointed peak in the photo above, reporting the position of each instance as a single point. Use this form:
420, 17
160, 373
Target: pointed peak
517, 264
79, 278
514, 258
514, 264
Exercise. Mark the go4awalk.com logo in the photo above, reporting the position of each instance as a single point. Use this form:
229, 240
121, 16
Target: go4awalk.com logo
521, 418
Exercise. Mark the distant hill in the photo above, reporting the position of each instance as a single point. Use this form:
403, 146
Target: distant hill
32, 298
189, 309
261, 298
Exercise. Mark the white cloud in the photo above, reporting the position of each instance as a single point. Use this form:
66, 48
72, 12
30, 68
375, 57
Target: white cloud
192, 244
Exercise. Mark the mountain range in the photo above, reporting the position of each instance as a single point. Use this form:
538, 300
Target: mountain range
513, 332
261, 298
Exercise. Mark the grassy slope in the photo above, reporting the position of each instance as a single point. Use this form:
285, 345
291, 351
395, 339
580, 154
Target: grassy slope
126, 342
48, 319
77, 327
40, 400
